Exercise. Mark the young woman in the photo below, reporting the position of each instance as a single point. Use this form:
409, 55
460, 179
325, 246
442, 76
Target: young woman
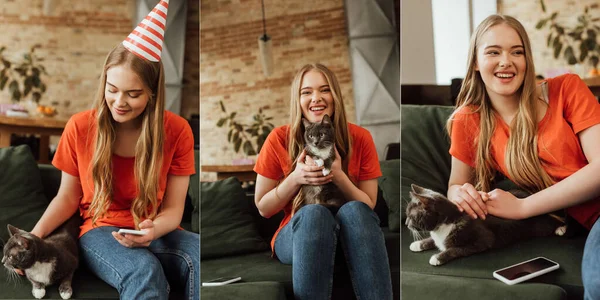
308, 239
126, 164
545, 137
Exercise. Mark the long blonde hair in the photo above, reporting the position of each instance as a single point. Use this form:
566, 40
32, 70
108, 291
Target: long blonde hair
340, 124
522, 160
148, 148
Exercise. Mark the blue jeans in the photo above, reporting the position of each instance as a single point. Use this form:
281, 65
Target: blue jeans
308, 242
590, 267
141, 273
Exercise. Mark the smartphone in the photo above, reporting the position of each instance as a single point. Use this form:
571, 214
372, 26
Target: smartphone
222, 281
525, 270
130, 231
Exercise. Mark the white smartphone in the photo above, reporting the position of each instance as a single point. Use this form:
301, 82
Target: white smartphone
130, 231
222, 281
525, 270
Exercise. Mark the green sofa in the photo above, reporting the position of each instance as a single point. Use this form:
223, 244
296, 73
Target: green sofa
426, 162
235, 242
25, 190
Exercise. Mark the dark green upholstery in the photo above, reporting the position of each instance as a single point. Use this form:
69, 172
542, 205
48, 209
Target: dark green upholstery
254, 290
257, 268
426, 161
43, 181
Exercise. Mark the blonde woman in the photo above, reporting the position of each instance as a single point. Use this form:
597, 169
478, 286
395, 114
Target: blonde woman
126, 164
308, 239
545, 137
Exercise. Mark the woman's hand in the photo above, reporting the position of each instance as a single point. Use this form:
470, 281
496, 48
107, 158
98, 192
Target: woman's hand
505, 205
133, 241
307, 172
472, 201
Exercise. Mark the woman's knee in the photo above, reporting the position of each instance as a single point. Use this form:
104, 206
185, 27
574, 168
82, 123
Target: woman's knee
355, 210
313, 217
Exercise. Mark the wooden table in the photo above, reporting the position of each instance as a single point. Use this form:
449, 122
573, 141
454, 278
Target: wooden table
44, 126
242, 172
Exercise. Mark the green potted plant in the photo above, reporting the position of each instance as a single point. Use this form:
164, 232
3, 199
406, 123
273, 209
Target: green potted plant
24, 77
246, 137
576, 44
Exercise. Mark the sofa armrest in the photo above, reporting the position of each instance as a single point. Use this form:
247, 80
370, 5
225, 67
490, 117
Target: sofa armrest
50, 180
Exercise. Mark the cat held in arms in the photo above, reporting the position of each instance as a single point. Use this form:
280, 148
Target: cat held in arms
456, 234
320, 147
46, 261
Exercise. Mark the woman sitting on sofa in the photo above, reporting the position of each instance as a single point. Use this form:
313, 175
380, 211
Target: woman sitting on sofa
126, 164
308, 238
545, 137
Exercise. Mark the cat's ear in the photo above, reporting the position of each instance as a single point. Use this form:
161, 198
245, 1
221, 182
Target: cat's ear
326, 119
12, 230
23, 242
305, 122
416, 189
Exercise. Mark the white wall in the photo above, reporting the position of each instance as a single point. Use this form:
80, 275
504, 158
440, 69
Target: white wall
435, 38
417, 60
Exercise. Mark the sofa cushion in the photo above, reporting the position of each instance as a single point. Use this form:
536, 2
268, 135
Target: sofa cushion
268, 290
227, 224
22, 199
568, 252
389, 183
420, 286
425, 144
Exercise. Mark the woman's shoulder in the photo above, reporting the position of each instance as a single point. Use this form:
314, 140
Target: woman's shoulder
562, 80
82, 120
358, 131
174, 123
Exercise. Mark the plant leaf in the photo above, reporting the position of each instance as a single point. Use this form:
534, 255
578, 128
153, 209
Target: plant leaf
543, 5
583, 52
3, 82
229, 135
590, 44
16, 95
221, 122
236, 145
232, 115
13, 86
42, 87
238, 127
35, 96
570, 56
248, 149
35, 80
222, 106
541, 23
557, 48
593, 61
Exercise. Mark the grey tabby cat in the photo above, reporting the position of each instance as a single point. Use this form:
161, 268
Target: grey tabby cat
458, 235
320, 141
45, 261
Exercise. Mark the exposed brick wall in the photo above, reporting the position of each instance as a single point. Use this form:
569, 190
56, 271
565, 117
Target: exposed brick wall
190, 95
530, 12
301, 31
75, 42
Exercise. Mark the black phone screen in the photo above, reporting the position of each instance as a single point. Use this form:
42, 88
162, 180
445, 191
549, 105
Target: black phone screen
526, 268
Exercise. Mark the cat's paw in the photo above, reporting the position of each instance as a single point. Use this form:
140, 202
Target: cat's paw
415, 246
319, 162
38, 293
326, 172
560, 231
434, 261
66, 294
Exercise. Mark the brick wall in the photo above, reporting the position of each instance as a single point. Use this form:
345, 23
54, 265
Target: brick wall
301, 31
75, 42
190, 95
530, 12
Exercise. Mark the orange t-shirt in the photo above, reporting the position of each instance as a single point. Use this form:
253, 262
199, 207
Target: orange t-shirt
74, 155
571, 108
273, 161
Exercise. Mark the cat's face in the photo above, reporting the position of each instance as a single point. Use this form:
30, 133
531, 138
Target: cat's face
426, 210
320, 134
17, 254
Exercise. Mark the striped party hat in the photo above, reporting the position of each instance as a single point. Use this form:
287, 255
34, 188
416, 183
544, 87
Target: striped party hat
146, 39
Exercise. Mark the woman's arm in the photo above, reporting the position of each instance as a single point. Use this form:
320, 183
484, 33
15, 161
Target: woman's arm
581, 186
62, 207
461, 191
365, 192
271, 198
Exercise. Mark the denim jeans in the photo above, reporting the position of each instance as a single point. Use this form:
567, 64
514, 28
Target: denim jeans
308, 242
142, 273
590, 267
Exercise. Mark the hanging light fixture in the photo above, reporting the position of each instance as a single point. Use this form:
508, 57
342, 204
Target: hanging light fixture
265, 47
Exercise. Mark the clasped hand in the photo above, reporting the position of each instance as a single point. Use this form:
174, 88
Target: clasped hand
478, 204
133, 241
307, 171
